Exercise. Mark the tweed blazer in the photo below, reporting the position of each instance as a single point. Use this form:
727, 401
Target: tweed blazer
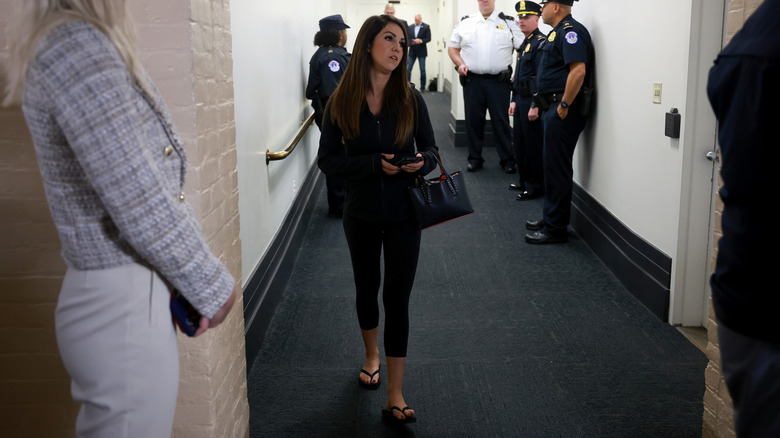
113, 167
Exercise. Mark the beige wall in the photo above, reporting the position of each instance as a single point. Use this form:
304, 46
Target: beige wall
186, 46
718, 418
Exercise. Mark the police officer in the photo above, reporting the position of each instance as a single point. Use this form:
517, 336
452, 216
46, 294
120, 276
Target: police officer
481, 47
325, 69
328, 63
527, 135
744, 91
563, 83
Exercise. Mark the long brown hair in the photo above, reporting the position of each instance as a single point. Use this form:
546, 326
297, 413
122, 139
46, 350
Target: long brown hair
349, 98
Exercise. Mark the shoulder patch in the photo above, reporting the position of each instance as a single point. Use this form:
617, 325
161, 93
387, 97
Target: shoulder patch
571, 37
334, 66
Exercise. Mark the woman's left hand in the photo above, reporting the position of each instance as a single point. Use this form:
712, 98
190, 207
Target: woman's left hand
413, 167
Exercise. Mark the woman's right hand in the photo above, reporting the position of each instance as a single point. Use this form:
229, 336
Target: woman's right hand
390, 169
205, 323
224, 310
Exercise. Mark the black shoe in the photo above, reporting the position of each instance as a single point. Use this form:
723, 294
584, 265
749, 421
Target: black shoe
542, 238
473, 167
509, 169
526, 195
518, 187
534, 225
371, 384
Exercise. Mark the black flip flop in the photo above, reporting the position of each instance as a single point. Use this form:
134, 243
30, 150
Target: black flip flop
387, 414
369, 385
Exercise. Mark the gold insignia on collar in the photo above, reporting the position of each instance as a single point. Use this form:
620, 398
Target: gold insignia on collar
330, 51
551, 37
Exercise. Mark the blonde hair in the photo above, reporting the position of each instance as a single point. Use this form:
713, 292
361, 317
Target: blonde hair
33, 19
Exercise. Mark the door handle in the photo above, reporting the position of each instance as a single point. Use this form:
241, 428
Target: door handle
713, 156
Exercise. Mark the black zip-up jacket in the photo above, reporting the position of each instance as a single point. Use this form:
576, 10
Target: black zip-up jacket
373, 195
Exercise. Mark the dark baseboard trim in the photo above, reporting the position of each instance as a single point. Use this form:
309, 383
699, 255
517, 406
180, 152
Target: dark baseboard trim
447, 86
642, 268
266, 286
460, 138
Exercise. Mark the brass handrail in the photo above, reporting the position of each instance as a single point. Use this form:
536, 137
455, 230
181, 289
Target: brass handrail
281, 155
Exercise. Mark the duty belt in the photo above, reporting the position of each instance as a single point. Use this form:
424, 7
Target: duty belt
553, 97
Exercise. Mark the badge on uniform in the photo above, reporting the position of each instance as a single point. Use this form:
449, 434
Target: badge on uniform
501, 26
334, 66
571, 37
551, 37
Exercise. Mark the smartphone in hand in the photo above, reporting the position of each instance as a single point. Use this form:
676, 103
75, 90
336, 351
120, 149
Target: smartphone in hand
186, 316
405, 159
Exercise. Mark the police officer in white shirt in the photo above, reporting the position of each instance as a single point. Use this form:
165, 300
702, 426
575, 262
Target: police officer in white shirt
481, 47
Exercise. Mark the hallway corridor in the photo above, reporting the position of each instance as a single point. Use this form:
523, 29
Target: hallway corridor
506, 339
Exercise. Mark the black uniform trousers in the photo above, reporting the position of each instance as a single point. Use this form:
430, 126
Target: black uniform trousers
483, 93
560, 139
528, 140
337, 189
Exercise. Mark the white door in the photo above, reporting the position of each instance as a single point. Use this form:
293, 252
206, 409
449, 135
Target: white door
690, 302
359, 10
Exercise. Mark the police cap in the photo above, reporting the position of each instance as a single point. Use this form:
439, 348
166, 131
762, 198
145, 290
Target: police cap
527, 8
563, 2
333, 22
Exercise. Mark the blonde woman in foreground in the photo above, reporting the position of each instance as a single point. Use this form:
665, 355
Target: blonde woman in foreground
113, 171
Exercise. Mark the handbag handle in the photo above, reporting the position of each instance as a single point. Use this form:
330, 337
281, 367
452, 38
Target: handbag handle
424, 185
447, 178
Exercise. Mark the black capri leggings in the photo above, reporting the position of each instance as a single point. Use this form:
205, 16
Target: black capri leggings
401, 241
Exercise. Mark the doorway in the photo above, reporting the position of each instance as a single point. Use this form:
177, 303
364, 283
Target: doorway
358, 11
691, 292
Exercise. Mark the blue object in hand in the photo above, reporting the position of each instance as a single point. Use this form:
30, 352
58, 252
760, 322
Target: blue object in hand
186, 316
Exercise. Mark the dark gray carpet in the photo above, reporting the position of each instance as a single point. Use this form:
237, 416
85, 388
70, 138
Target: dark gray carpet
507, 339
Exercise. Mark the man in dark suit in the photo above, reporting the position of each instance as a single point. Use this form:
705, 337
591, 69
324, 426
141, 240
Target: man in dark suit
419, 36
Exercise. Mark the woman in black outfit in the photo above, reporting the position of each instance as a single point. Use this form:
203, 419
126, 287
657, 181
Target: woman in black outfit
373, 119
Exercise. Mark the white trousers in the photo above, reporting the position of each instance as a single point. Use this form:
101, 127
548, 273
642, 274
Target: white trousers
118, 343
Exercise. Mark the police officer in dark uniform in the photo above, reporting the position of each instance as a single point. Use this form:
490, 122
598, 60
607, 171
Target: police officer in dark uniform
527, 135
743, 89
325, 70
563, 83
327, 64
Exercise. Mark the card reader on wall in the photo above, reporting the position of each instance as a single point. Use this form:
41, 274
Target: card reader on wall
673, 123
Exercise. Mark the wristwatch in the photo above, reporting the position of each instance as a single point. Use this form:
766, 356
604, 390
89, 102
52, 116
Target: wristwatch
565, 105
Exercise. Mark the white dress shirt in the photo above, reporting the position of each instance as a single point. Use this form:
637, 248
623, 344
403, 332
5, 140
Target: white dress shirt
486, 43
